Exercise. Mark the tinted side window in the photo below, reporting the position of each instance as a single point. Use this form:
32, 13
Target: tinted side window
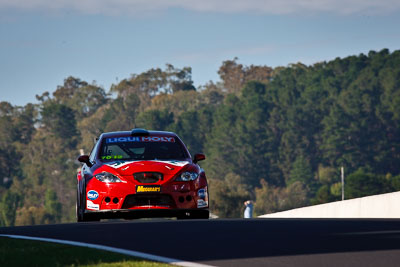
92, 156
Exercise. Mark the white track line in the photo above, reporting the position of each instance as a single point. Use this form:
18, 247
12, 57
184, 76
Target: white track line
112, 249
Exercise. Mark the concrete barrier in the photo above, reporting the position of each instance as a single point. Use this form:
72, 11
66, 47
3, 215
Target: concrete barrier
377, 206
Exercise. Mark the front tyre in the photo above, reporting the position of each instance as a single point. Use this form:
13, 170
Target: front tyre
79, 211
79, 214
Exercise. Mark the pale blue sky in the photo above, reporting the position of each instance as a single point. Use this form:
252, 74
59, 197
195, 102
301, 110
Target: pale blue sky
42, 41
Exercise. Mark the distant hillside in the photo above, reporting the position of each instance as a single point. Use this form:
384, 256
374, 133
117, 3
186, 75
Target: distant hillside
275, 135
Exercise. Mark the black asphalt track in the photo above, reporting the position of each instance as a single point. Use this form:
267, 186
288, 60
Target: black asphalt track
250, 242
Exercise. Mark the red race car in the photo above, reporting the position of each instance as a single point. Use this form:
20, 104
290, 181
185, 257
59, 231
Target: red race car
140, 173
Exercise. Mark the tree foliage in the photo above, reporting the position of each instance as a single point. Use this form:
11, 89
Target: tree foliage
277, 136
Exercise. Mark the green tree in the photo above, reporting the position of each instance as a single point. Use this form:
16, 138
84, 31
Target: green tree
151, 83
227, 196
302, 172
155, 120
395, 183
9, 205
271, 199
59, 120
192, 127
52, 206
361, 184
221, 145
323, 195
234, 76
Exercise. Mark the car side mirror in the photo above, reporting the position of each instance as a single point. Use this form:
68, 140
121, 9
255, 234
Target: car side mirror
85, 159
198, 157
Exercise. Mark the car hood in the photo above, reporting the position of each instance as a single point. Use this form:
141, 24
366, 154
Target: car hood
169, 167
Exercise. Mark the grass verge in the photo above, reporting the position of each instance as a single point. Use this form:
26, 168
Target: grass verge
17, 252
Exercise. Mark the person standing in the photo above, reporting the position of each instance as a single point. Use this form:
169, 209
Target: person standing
248, 211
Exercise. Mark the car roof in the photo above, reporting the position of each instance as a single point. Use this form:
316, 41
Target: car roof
128, 133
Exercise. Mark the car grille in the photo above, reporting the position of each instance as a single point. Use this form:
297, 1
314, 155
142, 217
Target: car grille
162, 200
148, 177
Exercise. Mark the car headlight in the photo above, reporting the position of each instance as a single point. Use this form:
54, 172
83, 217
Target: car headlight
107, 177
187, 176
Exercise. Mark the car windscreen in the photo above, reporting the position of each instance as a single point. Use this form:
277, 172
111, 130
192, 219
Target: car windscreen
142, 148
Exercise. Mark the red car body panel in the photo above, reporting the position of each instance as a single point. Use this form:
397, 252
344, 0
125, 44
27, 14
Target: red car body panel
130, 194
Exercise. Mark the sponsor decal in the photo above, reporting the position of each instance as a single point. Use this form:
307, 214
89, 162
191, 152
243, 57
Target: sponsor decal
201, 203
112, 157
202, 193
120, 164
141, 139
173, 162
92, 195
91, 206
148, 189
